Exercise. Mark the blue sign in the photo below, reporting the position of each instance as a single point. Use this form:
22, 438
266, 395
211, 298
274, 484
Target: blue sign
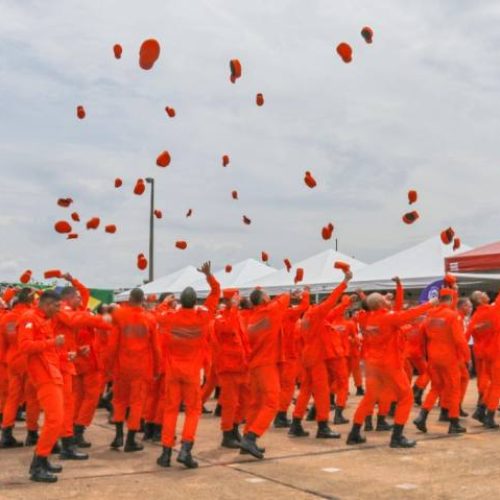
431, 291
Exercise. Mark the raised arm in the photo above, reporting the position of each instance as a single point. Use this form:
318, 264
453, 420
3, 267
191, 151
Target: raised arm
323, 308
82, 289
402, 317
212, 300
400, 294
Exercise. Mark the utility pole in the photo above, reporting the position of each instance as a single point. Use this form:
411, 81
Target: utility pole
151, 181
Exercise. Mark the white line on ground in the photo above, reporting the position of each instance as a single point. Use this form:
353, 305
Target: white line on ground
330, 469
406, 486
254, 480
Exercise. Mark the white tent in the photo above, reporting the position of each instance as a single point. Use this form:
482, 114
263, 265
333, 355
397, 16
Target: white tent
319, 273
243, 272
417, 267
173, 282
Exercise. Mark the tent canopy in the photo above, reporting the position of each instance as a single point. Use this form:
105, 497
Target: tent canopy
243, 272
417, 267
173, 282
319, 273
482, 259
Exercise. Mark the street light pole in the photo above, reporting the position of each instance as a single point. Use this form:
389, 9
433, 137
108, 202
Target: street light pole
151, 181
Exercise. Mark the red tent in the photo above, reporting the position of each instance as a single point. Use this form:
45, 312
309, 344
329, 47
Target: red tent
481, 259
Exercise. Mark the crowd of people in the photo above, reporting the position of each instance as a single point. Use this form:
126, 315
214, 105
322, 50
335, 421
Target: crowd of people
258, 354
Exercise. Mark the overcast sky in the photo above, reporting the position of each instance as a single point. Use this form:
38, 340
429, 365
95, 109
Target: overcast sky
419, 108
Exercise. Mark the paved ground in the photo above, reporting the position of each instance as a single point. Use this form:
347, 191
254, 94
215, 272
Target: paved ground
439, 467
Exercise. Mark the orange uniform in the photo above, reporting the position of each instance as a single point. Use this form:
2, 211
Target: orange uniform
485, 329
134, 358
36, 340
414, 352
384, 365
446, 350
233, 351
289, 368
19, 387
315, 379
185, 339
263, 326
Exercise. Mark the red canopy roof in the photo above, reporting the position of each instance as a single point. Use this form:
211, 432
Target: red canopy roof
485, 258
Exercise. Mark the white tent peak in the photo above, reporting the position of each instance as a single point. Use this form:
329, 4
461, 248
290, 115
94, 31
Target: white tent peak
242, 272
417, 266
318, 272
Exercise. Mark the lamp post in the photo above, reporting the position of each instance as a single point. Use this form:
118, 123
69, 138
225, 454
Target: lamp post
151, 181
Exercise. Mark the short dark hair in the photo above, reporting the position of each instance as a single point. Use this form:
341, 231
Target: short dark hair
188, 298
256, 297
49, 295
136, 296
25, 296
68, 291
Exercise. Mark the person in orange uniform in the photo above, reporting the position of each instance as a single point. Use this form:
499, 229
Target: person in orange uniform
446, 348
37, 339
339, 329
484, 327
19, 388
315, 380
464, 308
414, 354
290, 367
70, 320
263, 325
187, 332
233, 351
134, 358
385, 373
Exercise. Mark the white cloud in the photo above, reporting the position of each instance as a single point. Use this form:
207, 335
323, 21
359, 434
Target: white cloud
419, 108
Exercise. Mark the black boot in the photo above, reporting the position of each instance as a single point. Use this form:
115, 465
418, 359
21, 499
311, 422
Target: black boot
8, 440
164, 459
296, 429
236, 432
149, 429
118, 441
382, 424
185, 456
249, 443
368, 423
31, 438
324, 432
400, 441
480, 413
53, 468
360, 391
455, 427
311, 414
218, 410
80, 438
20, 415
355, 436
281, 421
332, 401
69, 450
38, 471
229, 441
489, 420
421, 420
417, 395
157, 430
217, 392
463, 413
339, 418
443, 415
392, 410
205, 410
131, 444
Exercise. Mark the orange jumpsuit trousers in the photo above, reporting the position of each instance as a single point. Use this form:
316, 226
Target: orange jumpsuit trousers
445, 383
179, 389
315, 382
264, 398
338, 372
86, 392
129, 392
289, 372
381, 382
51, 400
233, 399
20, 389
